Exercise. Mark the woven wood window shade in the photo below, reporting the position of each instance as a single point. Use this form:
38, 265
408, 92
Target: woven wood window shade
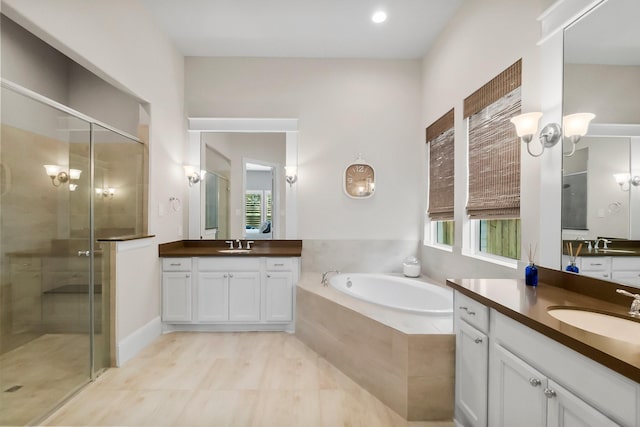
494, 149
440, 137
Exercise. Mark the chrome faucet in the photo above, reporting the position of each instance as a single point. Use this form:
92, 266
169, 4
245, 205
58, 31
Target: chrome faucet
635, 305
605, 241
230, 243
325, 279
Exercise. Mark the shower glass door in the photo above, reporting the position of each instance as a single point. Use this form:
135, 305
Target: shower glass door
46, 257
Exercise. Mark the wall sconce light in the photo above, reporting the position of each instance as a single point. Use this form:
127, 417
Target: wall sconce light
106, 192
291, 174
60, 176
575, 127
624, 180
193, 175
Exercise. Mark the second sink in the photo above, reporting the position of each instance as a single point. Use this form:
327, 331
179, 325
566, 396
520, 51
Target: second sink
607, 325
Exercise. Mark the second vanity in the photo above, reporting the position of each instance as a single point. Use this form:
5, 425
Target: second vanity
518, 365
205, 286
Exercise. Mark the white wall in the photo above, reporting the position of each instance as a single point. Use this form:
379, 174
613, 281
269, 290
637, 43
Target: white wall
344, 107
118, 41
481, 41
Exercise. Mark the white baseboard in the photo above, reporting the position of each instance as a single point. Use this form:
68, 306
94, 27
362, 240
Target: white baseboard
139, 339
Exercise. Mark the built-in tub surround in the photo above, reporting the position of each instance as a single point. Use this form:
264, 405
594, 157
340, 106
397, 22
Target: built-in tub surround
404, 359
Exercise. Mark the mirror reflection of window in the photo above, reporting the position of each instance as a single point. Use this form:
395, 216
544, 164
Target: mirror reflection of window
259, 201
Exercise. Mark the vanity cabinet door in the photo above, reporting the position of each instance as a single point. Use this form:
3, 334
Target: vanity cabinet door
176, 296
516, 390
567, 410
244, 296
213, 297
279, 297
472, 360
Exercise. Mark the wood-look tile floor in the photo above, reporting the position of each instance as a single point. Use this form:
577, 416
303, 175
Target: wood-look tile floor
227, 379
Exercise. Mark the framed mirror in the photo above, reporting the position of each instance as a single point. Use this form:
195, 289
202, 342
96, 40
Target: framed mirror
244, 194
601, 75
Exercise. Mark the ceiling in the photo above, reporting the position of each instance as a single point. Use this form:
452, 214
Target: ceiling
302, 28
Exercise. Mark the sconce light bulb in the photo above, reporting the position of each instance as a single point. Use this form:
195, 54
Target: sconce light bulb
52, 170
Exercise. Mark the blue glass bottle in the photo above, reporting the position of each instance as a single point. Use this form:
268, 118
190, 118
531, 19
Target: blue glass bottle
572, 268
531, 275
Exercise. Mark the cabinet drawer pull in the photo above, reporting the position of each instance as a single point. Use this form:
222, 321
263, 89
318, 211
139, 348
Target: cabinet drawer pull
175, 263
279, 265
471, 313
225, 276
187, 276
477, 340
595, 263
549, 393
534, 382
230, 275
462, 307
268, 276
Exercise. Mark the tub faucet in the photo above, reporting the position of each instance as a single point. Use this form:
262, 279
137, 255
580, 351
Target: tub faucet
635, 305
325, 279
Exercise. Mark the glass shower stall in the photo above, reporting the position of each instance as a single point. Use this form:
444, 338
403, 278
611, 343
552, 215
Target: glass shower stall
66, 182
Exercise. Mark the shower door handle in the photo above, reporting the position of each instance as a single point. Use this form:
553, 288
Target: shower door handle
84, 253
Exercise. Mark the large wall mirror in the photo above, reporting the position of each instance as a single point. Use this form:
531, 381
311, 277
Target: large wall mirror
602, 76
244, 194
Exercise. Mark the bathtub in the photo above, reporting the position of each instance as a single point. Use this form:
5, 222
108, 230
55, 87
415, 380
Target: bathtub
396, 292
368, 327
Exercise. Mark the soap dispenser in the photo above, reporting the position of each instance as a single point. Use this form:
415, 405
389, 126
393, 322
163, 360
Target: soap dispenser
411, 267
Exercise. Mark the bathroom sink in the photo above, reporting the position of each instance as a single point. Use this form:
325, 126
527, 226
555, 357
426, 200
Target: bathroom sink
615, 251
234, 251
608, 325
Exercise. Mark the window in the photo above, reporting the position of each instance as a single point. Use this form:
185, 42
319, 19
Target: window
493, 200
258, 208
440, 225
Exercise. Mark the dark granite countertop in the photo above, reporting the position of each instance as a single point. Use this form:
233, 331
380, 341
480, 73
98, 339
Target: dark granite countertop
528, 305
208, 248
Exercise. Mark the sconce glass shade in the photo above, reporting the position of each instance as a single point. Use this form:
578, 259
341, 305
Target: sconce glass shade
52, 170
75, 173
192, 174
577, 124
526, 124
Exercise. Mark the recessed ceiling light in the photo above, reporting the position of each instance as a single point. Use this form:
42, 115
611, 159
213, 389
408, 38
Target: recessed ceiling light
379, 17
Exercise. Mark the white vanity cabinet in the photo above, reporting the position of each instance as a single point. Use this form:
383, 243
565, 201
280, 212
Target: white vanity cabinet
510, 375
279, 290
472, 361
176, 290
537, 381
626, 270
229, 293
621, 269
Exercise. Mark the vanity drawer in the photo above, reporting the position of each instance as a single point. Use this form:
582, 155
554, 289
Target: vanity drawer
239, 263
625, 263
596, 264
279, 264
176, 264
471, 311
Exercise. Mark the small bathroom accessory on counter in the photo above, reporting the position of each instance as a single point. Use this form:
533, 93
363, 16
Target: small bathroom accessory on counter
411, 267
531, 271
572, 267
